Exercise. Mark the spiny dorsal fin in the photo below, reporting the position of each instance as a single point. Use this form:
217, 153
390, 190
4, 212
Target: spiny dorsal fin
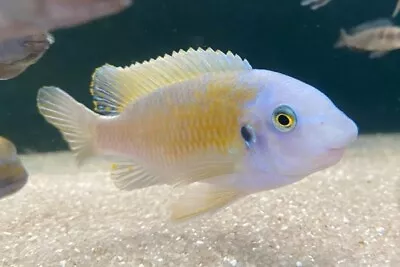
113, 88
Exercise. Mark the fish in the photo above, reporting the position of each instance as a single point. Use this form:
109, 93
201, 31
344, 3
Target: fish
314, 4
13, 175
19, 18
201, 117
379, 37
396, 9
17, 54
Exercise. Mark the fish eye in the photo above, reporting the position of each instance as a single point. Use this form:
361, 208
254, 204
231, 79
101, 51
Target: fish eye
284, 118
248, 135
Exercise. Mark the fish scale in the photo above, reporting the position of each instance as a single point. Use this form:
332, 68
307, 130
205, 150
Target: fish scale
168, 125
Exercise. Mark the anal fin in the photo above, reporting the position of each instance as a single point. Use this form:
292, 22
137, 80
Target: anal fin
378, 54
127, 175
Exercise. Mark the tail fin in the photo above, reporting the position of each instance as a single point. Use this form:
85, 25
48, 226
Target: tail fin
342, 39
75, 122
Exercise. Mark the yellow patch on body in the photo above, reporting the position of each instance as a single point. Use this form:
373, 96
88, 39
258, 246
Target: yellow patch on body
207, 120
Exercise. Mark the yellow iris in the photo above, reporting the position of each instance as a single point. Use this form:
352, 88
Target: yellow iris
284, 118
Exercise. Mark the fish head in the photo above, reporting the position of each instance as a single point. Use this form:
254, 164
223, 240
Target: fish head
297, 129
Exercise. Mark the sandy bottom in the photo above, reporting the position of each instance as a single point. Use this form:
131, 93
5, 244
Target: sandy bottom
348, 215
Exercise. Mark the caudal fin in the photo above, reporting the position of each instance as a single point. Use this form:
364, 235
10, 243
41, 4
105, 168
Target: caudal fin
75, 122
342, 41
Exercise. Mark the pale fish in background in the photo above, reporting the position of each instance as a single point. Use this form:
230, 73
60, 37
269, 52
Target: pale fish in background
315, 4
379, 37
13, 175
201, 116
16, 55
19, 18
396, 9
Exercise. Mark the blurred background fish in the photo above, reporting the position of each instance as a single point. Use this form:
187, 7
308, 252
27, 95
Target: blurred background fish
19, 18
396, 9
13, 175
17, 54
315, 4
379, 37
201, 116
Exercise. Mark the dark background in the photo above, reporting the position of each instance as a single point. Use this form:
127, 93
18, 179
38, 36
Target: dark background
272, 34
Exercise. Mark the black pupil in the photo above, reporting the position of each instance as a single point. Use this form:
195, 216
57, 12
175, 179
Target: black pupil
246, 134
283, 120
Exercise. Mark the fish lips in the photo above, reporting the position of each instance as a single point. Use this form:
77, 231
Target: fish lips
327, 159
330, 158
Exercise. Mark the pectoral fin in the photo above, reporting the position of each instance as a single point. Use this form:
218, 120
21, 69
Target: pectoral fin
127, 175
205, 166
199, 201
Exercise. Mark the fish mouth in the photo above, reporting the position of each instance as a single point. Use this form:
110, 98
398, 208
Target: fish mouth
333, 156
336, 151
323, 161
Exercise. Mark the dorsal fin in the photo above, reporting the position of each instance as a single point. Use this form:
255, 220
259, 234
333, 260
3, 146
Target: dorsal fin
113, 88
376, 23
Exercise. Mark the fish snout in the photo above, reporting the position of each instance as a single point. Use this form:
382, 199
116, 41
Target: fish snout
343, 134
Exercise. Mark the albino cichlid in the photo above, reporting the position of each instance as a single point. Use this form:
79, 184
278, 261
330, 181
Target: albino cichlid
202, 116
379, 36
13, 175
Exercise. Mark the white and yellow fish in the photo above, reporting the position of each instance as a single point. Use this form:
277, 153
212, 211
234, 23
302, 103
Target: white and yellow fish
202, 116
13, 175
